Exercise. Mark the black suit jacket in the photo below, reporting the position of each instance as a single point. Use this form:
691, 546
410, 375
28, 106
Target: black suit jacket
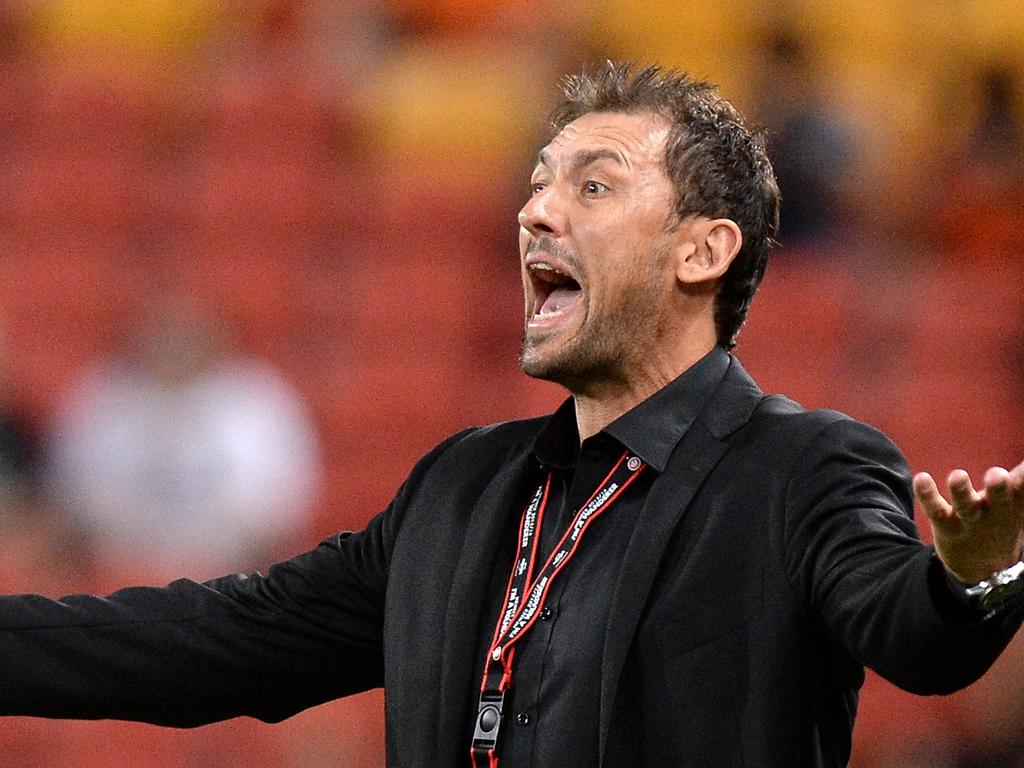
773, 558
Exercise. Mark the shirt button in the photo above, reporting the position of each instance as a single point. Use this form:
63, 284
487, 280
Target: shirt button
523, 718
545, 613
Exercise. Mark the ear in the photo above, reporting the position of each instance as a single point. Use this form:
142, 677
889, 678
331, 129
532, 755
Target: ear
705, 249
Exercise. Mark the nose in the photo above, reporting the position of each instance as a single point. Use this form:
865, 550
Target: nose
544, 213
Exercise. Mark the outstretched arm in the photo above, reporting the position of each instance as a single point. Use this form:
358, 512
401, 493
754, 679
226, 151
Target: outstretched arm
268, 646
188, 654
981, 531
878, 591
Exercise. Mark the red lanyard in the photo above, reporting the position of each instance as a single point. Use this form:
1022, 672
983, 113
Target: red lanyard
525, 596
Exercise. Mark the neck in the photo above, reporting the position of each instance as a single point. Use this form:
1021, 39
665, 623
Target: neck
600, 405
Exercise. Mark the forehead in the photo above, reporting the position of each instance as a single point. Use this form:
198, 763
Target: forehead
637, 138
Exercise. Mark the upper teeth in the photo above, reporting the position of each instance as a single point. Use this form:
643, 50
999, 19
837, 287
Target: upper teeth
547, 272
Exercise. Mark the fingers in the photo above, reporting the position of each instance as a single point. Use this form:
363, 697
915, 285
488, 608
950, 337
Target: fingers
1004, 500
1003, 490
927, 492
966, 501
997, 490
982, 531
1015, 490
1015, 482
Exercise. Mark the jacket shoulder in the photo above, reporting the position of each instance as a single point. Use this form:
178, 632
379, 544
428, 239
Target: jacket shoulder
482, 445
780, 414
504, 432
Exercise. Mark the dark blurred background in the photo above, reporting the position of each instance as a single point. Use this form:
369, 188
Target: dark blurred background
257, 256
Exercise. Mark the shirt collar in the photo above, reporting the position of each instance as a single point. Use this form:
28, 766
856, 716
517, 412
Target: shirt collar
651, 429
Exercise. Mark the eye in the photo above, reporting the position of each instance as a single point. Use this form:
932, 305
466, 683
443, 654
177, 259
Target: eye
535, 187
594, 188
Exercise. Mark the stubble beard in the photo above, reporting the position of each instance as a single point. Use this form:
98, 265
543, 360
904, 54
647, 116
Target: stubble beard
577, 364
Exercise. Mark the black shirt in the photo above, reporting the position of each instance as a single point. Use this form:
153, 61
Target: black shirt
551, 709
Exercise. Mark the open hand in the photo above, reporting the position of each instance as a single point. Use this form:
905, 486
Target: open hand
981, 531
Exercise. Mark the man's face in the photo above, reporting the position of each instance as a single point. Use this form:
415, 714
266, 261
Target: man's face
594, 243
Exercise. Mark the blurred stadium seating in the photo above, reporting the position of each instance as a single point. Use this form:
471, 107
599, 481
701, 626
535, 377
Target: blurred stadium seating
357, 228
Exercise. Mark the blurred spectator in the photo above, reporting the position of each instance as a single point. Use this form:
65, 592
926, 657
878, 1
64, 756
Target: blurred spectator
18, 454
19, 449
980, 211
997, 137
182, 457
35, 547
809, 143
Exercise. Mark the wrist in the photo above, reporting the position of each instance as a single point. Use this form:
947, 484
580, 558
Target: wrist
998, 588
970, 572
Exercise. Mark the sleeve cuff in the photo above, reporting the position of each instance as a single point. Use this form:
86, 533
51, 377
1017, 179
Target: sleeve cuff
950, 595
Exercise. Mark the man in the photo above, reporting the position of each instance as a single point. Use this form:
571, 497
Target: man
673, 569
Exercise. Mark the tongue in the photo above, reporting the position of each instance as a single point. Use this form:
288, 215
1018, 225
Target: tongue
558, 300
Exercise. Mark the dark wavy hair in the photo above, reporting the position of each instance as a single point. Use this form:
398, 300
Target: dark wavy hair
718, 167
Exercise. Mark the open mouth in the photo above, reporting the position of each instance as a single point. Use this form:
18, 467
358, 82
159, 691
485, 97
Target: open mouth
554, 290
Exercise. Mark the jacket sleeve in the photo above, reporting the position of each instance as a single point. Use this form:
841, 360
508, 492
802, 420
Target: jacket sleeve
190, 653
853, 552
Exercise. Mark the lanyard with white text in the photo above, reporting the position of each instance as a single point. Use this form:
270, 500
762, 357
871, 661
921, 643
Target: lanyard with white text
525, 595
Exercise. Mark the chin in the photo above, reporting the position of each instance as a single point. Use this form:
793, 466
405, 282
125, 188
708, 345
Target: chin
533, 365
538, 363
564, 366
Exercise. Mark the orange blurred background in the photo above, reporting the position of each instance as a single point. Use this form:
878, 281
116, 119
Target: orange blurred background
332, 188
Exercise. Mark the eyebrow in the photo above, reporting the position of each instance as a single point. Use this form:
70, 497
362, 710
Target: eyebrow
583, 158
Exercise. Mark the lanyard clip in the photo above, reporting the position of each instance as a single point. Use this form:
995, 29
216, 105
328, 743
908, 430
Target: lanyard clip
488, 720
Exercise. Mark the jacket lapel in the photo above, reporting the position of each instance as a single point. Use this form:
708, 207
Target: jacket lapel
693, 459
466, 603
